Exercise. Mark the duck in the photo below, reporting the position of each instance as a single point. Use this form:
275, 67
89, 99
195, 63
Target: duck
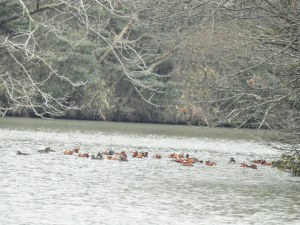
93, 157
76, 150
172, 155
99, 156
258, 161
158, 156
176, 160
186, 163
123, 158
208, 163
121, 153
253, 166
70, 152
266, 163
46, 150
135, 154
110, 152
232, 160
243, 164
193, 159
49, 149
20, 153
43, 151
175, 156
197, 160
111, 158
139, 155
142, 154
83, 155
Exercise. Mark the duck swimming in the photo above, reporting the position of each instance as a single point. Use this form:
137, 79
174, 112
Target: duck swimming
122, 153
46, 150
158, 156
49, 149
253, 166
99, 156
232, 160
110, 152
83, 155
208, 163
243, 164
93, 157
172, 155
43, 151
184, 163
20, 153
139, 155
176, 160
197, 160
142, 154
70, 152
111, 158
123, 158
135, 154
262, 161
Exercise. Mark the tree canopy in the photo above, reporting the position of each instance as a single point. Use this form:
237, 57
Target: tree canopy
214, 63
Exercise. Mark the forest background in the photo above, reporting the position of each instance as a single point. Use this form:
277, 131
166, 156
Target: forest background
197, 62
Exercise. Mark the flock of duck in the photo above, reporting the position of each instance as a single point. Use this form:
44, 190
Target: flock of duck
185, 160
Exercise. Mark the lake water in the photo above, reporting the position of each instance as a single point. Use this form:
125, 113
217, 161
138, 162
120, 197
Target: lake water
60, 189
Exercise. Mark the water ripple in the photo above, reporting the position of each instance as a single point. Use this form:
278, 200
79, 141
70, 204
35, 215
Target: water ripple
57, 189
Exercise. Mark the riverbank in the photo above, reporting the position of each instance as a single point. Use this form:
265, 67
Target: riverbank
154, 118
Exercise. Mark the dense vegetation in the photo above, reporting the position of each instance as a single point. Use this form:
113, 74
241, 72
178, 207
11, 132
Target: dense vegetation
214, 63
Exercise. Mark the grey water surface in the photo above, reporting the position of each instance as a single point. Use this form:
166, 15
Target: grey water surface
60, 189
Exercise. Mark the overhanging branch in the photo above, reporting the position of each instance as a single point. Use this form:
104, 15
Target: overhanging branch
43, 8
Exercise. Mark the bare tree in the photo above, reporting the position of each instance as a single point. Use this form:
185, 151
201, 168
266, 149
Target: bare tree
28, 25
253, 49
237, 61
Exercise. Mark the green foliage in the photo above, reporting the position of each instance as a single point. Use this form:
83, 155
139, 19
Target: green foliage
290, 162
127, 109
293, 97
6, 9
78, 63
16, 25
293, 67
85, 47
58, 42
